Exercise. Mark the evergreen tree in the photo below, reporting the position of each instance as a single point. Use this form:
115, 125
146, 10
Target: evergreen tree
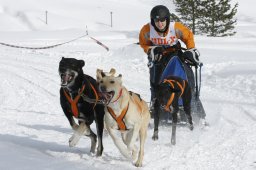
210, 17
189, 12
217, 18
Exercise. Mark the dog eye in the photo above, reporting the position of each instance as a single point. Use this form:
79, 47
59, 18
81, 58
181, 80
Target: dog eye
112, 81
101, 81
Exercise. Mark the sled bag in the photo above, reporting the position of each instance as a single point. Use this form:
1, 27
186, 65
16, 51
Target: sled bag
174, 68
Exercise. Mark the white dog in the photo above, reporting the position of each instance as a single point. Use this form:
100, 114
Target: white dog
125, 113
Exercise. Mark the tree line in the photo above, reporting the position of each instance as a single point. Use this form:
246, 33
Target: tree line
209, 17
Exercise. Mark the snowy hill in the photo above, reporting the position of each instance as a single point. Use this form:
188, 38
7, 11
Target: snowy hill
34, 132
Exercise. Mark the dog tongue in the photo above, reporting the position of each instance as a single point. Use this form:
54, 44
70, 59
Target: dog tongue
107, 96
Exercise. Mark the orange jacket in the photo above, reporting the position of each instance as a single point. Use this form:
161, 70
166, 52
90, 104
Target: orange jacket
181, 31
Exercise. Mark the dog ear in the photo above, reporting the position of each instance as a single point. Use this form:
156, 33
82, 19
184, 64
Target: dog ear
98, 74
81, 62
112, 72
103, 74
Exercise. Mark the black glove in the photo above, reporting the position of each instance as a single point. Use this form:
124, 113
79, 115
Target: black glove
192, 56
156, 53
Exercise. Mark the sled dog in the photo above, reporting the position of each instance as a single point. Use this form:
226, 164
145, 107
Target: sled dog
125, 113
74, 85
168, 93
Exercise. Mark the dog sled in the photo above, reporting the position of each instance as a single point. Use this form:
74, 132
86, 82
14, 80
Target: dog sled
191, 72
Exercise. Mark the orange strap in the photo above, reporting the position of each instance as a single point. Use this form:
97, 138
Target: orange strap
96, 94
182, 87
73, 103
119, 119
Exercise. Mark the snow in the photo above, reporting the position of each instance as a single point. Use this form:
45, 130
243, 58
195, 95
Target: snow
34, 132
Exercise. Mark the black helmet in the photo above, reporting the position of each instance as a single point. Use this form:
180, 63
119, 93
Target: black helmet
160, 12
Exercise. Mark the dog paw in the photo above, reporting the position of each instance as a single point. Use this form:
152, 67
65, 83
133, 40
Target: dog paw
99, 152
191, 127
173, 141
138, 163
155, 135
74, 140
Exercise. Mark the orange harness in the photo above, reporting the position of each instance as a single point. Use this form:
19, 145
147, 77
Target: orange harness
73, 103
182, 87
119, 119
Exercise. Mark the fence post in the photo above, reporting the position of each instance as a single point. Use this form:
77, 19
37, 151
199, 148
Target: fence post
86, 30
46, 18
111, 19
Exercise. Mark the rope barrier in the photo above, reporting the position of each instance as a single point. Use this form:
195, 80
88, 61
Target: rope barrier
56, 45
98, 42
46, 47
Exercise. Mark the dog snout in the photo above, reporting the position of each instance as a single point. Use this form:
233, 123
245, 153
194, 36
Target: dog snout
103, 88
65, 77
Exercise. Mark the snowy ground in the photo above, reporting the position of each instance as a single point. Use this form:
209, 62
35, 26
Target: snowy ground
34, 132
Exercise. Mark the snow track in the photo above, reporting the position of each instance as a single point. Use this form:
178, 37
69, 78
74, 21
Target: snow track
33, 121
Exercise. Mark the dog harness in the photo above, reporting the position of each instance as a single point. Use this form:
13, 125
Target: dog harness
73, 103
119, 119
96, 95
182, 87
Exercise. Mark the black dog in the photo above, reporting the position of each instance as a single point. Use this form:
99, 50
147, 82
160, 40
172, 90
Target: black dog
167, 94
74, 85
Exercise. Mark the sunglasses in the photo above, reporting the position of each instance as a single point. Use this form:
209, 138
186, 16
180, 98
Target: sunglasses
159, 19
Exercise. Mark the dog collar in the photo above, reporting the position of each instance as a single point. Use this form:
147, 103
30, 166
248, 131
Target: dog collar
119, 95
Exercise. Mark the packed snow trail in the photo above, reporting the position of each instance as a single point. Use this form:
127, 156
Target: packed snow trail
34, 124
